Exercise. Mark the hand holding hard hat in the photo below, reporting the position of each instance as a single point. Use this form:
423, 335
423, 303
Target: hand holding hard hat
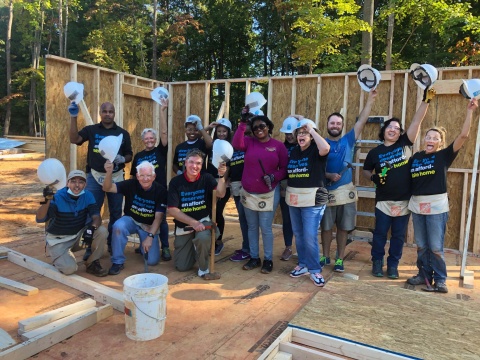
424, 75
368, 77
158, 94
222, 152
470, 89
306, 123
51, 172
109, 146
255, 101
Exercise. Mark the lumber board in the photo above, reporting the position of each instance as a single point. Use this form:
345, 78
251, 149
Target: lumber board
94, 314
45, 340
301, 352
283, 356
272, 350
50, 316
6, 340
18, 287
468, 279
135, 90
90, 287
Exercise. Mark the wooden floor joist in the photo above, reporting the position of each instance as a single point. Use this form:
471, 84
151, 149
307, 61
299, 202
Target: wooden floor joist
50, 316
48, 338
5, 340
108, 295
18, 287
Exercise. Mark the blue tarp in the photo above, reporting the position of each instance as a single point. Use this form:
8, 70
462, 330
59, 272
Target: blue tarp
9, 144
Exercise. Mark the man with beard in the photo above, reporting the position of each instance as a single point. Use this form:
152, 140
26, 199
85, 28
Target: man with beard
342, 207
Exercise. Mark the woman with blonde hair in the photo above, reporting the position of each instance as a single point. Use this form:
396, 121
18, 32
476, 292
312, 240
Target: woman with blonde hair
429, 201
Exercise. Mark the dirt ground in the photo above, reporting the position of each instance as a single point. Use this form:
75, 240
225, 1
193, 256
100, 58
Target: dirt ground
237, 317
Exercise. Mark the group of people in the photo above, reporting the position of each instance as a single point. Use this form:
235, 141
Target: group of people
309, 175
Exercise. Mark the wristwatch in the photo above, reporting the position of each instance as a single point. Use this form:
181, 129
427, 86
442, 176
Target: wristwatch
151, 235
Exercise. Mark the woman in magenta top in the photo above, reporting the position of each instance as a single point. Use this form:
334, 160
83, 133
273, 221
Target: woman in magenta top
265, 166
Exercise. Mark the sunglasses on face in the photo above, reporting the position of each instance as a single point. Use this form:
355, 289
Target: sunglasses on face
259, 127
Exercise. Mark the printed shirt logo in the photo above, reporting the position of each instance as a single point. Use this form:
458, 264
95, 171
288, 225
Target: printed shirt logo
262, 204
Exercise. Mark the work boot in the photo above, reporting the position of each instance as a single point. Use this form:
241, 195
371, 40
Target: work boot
96, 269
377, 268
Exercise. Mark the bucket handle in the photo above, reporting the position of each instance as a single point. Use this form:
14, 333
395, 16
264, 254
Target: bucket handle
151, 317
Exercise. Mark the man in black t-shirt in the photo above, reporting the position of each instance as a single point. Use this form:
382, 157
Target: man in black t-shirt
144, 210
93, 134
190, 203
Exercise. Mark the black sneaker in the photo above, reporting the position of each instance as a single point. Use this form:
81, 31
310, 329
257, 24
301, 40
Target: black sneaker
218, 248
392, 272
166, 256
417, 280
252, 264
267, 266
377, 268
440, 287
96, 269
115, 269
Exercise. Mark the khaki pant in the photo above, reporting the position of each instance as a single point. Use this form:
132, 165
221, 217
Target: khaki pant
62, 255
193, 247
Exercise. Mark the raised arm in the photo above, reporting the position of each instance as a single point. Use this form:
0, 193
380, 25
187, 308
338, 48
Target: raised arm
462, 137
75, 137
363, 117
414, 128
108, 184
163, 122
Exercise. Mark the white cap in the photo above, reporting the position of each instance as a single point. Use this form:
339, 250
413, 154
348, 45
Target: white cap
368, 77
424, 75
222, 152
52, 172
74, 91
470, 89
159, 93
289, 125
225, 122
109, 146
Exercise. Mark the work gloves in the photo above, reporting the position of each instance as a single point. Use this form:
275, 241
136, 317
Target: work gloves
88, 236
73, 109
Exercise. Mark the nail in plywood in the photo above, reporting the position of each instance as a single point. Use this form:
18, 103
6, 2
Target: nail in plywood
90, 287
50, 316
18, 287
46, 339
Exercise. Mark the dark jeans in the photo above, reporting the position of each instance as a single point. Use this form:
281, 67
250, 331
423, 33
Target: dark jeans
287, 222
398, 227
243, 224
221, 203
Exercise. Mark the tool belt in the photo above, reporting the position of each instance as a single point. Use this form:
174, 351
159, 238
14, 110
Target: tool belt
257, 202
344, 194
100, 177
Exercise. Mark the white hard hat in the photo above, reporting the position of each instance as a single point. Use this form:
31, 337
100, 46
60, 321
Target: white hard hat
470, 89
159, 93
74, 91
52, 172
109, 146
368, 77
225, 122
192, 119
255, 101
222, 152
289, 125
258, 112
304, 122
424, 75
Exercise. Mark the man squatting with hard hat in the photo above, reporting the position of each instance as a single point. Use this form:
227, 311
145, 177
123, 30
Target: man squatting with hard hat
67, 212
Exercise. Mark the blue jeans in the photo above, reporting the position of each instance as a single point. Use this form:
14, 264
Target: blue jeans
115, 202
430, 236
262, 220
243, 224
398, 227
305, 222
121, 229
287, 223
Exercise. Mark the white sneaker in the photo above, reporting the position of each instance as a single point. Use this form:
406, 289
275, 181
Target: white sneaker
317, 279
299, 271
202, 272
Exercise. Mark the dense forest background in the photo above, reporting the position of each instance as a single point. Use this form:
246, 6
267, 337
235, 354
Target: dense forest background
171, 40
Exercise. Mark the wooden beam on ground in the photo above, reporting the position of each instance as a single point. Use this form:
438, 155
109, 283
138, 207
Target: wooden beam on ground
46, 339
111, 296
18, 287
6, 340
468, 279
50, 316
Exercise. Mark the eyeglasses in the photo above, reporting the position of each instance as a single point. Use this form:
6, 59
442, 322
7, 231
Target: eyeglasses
259, 127
145, 176
302, 133
393, 127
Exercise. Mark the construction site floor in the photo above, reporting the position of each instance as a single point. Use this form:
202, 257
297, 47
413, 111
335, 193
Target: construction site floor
241, 314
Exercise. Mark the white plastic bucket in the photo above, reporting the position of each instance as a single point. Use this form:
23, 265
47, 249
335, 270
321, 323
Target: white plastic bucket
145, 298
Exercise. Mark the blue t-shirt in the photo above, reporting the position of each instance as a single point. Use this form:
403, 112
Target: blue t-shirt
341, 152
